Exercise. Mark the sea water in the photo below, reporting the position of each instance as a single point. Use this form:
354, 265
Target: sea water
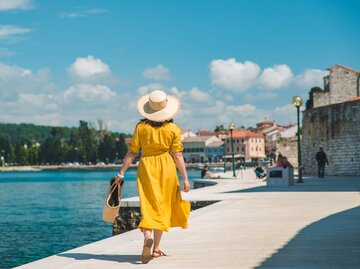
47, 212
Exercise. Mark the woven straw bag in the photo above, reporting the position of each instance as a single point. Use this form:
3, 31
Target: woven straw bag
112, 200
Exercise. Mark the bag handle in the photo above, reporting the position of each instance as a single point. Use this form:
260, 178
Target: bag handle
114, 185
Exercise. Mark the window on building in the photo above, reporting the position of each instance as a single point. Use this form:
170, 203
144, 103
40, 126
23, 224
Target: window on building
237, 140
227, 150
256, 148
237, 149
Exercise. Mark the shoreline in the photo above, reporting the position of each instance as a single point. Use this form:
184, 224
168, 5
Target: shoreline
37, 168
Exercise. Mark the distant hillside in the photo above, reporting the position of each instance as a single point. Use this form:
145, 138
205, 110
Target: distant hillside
25, 132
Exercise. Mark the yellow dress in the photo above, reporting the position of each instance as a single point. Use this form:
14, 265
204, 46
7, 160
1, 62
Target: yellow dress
159, 190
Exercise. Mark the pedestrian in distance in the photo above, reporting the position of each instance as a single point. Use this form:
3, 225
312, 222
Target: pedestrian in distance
259, 171
161, 152
205, 171
321, 160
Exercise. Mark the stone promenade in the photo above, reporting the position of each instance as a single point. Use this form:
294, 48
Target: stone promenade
311, 225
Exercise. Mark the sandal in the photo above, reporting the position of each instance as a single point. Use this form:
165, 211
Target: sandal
158, 253
146, 253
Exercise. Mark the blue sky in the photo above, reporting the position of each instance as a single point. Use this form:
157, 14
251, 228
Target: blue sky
240, 61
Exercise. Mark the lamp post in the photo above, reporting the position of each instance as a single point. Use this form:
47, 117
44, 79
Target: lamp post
231, 128
225, 155
297, 102
3, 157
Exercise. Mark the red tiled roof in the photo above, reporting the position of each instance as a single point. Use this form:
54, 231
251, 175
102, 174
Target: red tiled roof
355, 99
265, 122
245, 134
205, 133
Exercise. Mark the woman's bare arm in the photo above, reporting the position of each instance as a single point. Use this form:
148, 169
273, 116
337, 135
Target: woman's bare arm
129, 158
180, 164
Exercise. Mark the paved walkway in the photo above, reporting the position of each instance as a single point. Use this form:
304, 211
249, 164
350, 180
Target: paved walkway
311, 225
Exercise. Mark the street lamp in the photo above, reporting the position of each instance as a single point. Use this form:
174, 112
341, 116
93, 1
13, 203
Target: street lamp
3, 157
225, 155
297, 102
231, 128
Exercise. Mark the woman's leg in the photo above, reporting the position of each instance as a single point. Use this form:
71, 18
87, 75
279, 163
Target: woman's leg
147, 233
157, 238
148, 243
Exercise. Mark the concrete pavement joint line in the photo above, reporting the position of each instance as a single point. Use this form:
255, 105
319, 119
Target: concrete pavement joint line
251, 227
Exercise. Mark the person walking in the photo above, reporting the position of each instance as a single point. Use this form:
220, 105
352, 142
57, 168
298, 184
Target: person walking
159, 140
321, 160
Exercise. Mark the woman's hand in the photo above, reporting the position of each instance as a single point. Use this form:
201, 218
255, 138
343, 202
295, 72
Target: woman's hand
186, 185
119, 177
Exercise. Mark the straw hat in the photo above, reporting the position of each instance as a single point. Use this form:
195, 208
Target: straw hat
157, 106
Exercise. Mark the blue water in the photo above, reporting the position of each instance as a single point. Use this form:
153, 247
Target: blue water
47, 212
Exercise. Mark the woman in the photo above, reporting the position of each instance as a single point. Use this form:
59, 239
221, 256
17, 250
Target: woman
159, 189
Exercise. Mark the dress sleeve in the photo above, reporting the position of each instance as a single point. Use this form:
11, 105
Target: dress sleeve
135, 142
177, 145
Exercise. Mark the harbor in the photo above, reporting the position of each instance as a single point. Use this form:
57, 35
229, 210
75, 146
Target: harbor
310, 225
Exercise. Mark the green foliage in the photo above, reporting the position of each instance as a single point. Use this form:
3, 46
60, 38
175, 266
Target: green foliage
28, 144
219, 128
23, 133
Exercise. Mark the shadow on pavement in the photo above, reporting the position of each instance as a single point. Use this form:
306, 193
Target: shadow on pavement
332, 242
312, 184
135, 259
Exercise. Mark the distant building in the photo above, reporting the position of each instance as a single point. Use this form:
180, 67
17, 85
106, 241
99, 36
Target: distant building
332, 121
214, 152
248, 146
187, 133
341, 85
272, 132
220, 134
262, 125
194, 147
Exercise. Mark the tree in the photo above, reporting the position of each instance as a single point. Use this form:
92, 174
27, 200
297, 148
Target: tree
219, 128
121, 147
89, 139
107, 150
54, 149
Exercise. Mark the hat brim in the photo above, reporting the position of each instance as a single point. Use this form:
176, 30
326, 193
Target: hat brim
172, 108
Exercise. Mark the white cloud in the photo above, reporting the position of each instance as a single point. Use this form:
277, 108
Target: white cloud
82, 13
4, 52
149, 88
259, 96
232, 75
89, 93
285, 112
9, 31
15, 4
175, 91
275, 77
15, 80
158, 72
242, 110
42, 101
310, 78
197, 95
88, 68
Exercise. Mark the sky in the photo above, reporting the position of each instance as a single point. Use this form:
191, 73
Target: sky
238, 61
